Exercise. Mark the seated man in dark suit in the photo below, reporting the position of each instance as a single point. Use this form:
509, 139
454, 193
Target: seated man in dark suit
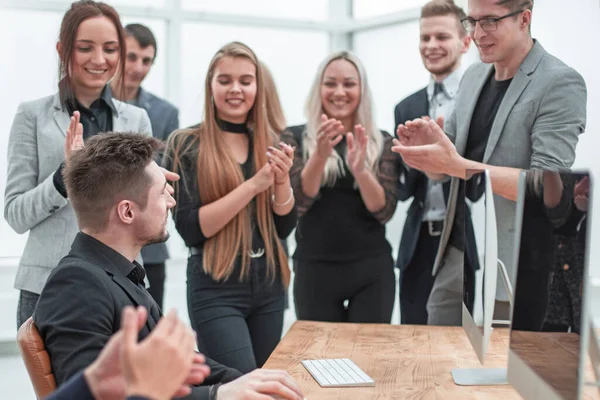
121, 199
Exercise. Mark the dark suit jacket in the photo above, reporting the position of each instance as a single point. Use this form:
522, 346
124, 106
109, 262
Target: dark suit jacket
80, 308
413, 183
77, 388
164, 118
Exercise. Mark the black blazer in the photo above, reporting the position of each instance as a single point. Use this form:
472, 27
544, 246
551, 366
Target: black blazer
413, 183
80, 308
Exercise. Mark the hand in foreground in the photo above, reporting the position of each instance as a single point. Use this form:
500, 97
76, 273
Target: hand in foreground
164, 363
261, 384
105, 376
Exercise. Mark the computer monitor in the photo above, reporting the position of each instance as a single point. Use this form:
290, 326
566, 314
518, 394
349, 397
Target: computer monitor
551, 326
478, 188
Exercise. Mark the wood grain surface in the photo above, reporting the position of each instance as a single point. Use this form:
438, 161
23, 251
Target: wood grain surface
406, 361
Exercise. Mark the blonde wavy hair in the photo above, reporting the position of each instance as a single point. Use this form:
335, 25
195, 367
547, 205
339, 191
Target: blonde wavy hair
334, 168
218, 173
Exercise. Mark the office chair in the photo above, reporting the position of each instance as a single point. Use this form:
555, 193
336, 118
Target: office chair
36, 358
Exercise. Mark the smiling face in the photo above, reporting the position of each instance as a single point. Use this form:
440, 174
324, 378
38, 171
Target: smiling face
340, 90
95, 56
499, 45
442, 43
234, 87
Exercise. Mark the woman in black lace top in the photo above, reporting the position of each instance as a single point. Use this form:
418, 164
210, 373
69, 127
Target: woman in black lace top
344, 179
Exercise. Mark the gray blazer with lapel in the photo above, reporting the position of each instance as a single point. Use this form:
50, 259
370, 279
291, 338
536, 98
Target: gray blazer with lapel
537, 127
31, 202
164, 118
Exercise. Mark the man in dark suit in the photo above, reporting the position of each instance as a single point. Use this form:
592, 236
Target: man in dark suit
121, 199
443, 41
164, 117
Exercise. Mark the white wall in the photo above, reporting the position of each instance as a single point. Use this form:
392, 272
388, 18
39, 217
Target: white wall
29, 67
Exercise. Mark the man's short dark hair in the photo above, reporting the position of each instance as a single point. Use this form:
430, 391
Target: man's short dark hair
515, 5
111, 167
143, 35
441, 8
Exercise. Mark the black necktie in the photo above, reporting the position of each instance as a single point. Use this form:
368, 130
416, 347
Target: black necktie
437, 88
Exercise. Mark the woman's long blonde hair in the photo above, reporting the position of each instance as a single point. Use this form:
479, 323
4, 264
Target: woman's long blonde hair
219, 173
275, 114
363, 115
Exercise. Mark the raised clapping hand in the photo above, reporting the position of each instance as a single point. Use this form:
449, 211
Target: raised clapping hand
281, 161
263, 179
74, 139
357, 149
423, 145
330, 133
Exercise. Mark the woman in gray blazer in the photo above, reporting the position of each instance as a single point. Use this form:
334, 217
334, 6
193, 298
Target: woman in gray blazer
91, 48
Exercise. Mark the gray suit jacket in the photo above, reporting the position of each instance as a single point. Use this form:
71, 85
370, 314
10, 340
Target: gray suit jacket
537, 127
31, 202
165, 119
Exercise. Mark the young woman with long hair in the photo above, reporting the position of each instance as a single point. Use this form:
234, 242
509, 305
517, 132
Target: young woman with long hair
345, 181
234, 203
91, 48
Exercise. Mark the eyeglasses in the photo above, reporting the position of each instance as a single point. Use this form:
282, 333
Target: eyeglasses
487, 24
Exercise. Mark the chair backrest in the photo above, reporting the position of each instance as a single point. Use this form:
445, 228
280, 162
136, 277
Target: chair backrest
36, 358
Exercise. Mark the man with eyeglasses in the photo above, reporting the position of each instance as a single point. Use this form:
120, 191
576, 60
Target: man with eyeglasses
521, 108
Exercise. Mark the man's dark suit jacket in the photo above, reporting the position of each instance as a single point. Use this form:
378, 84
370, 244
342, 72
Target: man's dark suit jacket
413, 183
80, 308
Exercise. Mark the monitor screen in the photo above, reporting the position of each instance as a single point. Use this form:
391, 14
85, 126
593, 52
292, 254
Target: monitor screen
551, 254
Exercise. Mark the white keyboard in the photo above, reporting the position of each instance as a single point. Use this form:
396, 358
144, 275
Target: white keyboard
337, 372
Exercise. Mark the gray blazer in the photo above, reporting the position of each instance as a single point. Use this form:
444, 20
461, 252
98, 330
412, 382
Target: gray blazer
165, 119
31, 202
537, 127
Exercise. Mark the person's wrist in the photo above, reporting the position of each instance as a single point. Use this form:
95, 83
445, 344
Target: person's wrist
252, 186
360, 174
283, 181
321, 158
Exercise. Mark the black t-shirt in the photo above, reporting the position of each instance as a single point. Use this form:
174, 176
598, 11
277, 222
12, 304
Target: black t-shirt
484, 115
485, 112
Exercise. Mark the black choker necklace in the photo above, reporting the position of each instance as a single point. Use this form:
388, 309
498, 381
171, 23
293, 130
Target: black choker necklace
232, 127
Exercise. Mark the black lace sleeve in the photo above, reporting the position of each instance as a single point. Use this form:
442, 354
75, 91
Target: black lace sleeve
388, 178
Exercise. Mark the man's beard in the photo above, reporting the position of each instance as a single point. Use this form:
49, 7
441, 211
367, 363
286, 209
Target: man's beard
163, 237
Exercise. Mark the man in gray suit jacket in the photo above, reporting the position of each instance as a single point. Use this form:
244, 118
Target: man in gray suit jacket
141, 53
520, 109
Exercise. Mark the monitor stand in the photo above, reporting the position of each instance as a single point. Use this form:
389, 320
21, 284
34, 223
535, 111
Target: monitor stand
479, 376
486, 376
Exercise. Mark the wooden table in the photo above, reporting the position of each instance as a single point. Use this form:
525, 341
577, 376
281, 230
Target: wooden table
406, 361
